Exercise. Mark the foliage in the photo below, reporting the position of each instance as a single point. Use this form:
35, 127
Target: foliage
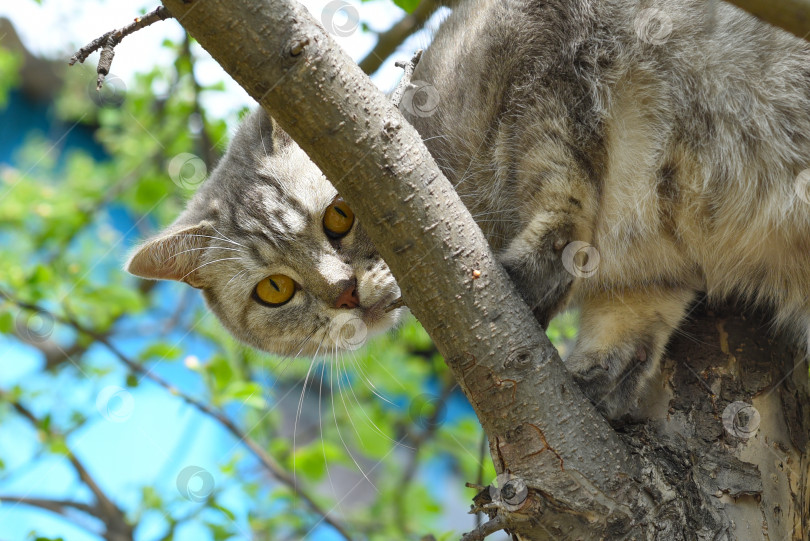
390, 413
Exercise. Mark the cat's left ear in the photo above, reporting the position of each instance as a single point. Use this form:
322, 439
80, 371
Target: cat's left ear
174, 254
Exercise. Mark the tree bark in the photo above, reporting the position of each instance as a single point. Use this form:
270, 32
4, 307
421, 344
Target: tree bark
585, 480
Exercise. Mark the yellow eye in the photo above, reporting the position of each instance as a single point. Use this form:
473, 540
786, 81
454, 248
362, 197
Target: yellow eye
338, 219
275, 290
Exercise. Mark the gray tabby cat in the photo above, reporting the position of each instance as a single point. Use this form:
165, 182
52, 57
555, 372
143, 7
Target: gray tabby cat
620, 156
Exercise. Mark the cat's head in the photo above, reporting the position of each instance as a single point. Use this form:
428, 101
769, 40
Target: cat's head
280, 258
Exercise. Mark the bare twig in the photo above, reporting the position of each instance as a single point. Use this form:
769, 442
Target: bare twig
486, 529
405, 81
479, 482
105, 509
108, 41
388, 41
267, 461
60, 507
418, 442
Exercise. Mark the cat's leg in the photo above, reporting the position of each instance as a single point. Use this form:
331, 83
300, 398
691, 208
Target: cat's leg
534, 262
622, 337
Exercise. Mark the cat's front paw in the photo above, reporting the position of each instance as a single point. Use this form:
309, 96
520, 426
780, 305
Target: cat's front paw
614, 378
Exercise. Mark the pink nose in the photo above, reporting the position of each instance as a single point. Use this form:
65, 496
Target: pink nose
349, 298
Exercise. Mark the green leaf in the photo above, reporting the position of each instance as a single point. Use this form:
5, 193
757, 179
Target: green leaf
247, 393
6, 323
407, 5
162, 351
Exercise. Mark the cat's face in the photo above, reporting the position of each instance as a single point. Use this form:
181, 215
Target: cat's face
280, 258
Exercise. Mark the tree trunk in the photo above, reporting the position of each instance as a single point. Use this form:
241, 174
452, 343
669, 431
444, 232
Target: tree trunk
729, 425
566, 474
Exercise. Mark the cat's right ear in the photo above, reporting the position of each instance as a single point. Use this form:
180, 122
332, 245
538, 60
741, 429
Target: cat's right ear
175, 254
258, 136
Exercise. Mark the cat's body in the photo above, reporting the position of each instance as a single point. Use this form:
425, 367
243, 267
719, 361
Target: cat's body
667, 143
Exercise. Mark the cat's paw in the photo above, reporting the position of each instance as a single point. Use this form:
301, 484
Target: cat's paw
615, 378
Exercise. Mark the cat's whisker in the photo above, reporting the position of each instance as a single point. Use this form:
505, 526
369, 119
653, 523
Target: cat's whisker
235, 276
359, 370
205, 248
323, 441
219, 238
340, 435
221, 234
371, 422
210, 263
289, 358
298, 416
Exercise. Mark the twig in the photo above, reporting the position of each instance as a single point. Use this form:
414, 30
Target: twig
265, 459
486, 529
105, 509
482, 449
405, 82
418, 441
108, 41
56, 506
388, 41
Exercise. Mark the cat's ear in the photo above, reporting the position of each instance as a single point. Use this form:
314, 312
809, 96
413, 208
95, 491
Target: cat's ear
174, 254
257, 137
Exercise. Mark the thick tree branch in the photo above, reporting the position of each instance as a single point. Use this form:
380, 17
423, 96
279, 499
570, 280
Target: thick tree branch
539, 425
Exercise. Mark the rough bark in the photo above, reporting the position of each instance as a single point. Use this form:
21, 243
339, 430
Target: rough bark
729, 424
586, 480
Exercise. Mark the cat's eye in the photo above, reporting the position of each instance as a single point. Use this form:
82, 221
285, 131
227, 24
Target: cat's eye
338, 219
275, 290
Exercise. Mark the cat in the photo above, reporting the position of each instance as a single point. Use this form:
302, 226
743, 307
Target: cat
621, 157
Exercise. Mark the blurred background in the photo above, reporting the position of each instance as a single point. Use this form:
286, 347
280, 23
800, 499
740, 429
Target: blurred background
126, 412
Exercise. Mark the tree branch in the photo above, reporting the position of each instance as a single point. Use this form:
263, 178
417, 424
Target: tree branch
108, 41
105, 509
388, 41
56, 506
510, 372
267, 461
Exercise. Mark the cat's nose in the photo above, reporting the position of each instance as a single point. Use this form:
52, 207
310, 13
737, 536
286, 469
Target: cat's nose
349, 298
